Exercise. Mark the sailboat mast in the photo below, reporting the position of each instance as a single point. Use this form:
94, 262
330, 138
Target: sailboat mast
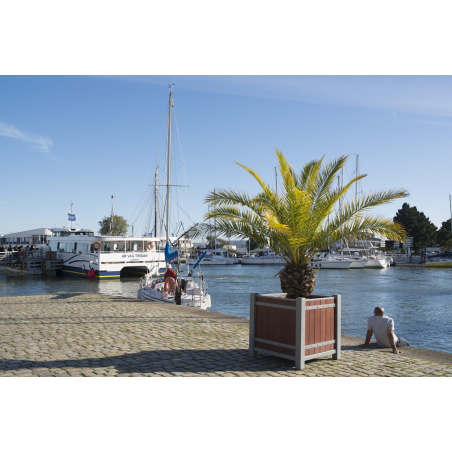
155, 201
450, 206
171, 104
156, 181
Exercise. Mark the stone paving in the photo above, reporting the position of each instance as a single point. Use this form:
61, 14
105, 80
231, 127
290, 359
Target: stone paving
92, 335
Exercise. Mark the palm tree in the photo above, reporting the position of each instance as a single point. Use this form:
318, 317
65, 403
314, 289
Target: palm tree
302, 219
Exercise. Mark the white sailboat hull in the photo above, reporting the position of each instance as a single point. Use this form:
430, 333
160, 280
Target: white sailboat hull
265, 260
331, 264
358, 263
193, 301
376, 263
212, 262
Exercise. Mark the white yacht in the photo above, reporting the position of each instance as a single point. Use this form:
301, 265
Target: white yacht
321, 260
214, 257
87, 255
264, 256
377, 261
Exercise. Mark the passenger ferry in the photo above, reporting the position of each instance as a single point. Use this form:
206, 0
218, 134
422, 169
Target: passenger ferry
104, 257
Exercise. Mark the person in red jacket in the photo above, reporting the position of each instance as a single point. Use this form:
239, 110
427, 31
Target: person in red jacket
170, 273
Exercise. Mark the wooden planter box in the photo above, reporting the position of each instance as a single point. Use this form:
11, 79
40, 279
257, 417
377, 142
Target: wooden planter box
297, 329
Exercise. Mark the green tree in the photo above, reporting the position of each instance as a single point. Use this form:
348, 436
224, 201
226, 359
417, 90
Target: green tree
389, 245
444, 236
120, 225
294, 221
416, 225
255, 244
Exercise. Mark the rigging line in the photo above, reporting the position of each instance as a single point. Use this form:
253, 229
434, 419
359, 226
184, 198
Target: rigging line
188, 216
145, 202
183, 161
139, 203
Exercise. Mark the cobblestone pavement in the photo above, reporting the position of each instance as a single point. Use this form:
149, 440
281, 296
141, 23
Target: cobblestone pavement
92, 335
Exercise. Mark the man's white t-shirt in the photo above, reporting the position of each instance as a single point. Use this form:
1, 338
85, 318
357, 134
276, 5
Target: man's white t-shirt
380, 326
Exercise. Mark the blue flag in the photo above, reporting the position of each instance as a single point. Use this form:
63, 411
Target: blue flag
71, 216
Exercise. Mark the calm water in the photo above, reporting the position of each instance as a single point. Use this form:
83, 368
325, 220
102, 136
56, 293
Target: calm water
418, 299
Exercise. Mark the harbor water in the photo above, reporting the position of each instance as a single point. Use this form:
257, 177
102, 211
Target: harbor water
418, 299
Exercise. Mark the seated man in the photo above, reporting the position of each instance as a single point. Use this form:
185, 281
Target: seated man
383, 327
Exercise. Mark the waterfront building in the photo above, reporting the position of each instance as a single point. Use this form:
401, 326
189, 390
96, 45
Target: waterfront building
31, 237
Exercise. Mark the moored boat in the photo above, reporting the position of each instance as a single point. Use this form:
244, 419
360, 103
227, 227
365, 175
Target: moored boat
440, 263
187, 291
84, 254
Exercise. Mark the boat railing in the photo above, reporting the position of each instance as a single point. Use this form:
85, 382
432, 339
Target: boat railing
7, 257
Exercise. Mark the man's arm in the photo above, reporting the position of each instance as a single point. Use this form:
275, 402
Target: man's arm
392, 342
368, 337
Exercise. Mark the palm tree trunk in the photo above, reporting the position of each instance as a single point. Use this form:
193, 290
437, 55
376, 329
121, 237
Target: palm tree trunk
297, 281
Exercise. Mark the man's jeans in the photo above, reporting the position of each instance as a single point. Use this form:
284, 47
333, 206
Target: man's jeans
401, 342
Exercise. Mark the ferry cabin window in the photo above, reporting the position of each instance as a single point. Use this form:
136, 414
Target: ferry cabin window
106, 246
134, 246
68, 247
54, 246
82, 248
62, 246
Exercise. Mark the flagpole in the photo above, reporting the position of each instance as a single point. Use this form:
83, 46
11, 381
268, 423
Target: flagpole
111, 219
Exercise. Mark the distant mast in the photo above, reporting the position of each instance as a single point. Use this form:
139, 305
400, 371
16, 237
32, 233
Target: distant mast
356, 183
450, 206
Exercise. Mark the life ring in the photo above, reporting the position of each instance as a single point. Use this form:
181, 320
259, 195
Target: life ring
170, 285
96, 246
150, 245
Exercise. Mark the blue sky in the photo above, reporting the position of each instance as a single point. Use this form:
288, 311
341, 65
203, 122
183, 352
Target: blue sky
87, 137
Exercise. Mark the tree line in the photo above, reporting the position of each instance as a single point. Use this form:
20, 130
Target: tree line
424, 232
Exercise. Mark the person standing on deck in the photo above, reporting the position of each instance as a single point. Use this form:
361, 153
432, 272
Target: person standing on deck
383, 327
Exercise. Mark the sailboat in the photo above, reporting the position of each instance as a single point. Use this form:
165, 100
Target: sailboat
190, 290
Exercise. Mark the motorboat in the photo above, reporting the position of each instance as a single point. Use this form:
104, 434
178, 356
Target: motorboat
439, 263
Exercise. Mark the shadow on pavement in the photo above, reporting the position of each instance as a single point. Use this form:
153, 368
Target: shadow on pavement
165, 361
